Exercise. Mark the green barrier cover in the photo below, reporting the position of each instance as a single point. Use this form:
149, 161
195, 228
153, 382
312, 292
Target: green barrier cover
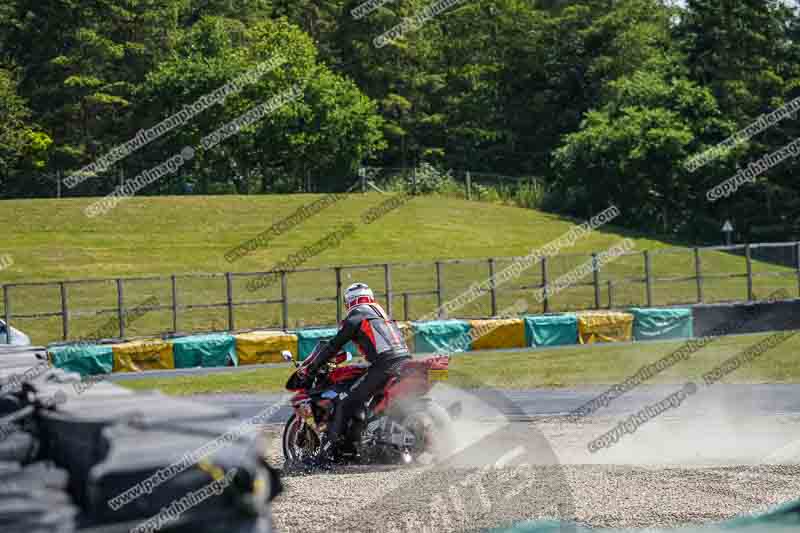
653, 324
440, 335
85, 359
783, 519
215, 349
557, 527
307, 339
551, 330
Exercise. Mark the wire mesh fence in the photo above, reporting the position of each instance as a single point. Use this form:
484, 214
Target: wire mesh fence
171, 305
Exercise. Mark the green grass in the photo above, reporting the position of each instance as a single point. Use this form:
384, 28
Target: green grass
556, 367
263, 380
53, 240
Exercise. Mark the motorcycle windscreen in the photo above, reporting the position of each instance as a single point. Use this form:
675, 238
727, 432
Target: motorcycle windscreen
296, 381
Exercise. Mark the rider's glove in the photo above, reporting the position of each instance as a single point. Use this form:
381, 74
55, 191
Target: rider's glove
311, 371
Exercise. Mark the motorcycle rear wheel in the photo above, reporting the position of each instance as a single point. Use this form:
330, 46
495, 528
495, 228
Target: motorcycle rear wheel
433, 425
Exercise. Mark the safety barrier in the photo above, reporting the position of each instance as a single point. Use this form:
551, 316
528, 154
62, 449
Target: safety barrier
604, 326
498, 334
551, 330
407, 329
211, 350
259, 347
660, 324
538, 331
85, 359
440, 335
150, 354
307, 339
746, 318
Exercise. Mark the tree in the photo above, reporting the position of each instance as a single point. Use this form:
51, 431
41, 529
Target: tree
631, 153
326, 132
82, 63
736, 48
21, 146
746, 53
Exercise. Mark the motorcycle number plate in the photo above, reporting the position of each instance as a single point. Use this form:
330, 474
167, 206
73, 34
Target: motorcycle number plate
437, 375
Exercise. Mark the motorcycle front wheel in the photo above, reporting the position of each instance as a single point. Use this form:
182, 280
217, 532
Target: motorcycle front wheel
300, 442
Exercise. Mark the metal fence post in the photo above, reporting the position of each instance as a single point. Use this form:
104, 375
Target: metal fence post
748, 257
545, 299
648, 278
493, 292
698, 273
120, 309
174, 304
229, 291
596, 279
338, 271
387, 283
597, 285
64, 311
439, 309
284, 300
7, 313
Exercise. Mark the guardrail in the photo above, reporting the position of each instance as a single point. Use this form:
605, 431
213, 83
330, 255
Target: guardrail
637, 269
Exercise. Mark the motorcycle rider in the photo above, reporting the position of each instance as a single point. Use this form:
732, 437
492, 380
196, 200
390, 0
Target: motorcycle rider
380, 341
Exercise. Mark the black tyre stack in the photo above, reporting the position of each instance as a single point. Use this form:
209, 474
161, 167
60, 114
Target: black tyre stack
65, 451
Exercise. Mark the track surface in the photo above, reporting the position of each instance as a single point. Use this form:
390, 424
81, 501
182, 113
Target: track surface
755, 400
725, 451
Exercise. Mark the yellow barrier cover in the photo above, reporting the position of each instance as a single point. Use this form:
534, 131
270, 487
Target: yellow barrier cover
258, 347
604, 326
497, 334
149, 354
407, 331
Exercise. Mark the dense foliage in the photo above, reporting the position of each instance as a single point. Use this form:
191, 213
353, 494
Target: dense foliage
603, 100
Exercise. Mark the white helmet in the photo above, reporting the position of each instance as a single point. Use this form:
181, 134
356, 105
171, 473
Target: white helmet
358, 293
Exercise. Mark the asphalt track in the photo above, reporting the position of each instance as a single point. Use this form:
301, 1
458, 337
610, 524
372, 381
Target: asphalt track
752, 400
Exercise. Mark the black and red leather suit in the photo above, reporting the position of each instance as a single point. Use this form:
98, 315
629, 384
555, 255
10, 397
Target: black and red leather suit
380, 341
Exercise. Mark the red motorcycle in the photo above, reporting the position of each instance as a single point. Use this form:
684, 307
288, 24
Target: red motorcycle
398, 424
